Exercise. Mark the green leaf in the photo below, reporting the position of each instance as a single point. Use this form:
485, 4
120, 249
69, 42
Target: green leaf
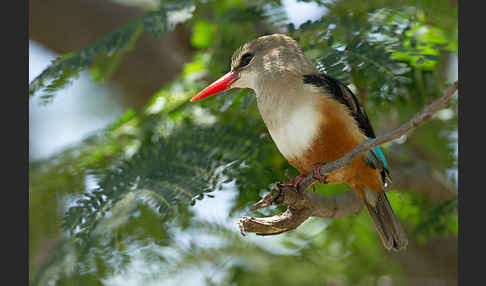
202, 34
104, 56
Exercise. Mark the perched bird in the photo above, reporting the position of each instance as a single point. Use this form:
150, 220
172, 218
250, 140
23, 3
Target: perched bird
313, 119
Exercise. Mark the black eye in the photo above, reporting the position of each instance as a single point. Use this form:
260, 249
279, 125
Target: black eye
245, 59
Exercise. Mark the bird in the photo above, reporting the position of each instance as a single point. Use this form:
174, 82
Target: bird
313, 119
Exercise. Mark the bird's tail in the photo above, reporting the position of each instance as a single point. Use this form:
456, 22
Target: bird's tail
387, 225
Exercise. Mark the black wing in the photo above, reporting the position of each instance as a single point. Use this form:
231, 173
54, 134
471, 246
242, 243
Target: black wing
344, 95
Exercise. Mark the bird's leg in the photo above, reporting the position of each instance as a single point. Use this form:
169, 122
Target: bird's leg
316, 174
293, 183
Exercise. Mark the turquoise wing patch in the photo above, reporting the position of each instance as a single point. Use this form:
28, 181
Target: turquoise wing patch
378, 151
375, 154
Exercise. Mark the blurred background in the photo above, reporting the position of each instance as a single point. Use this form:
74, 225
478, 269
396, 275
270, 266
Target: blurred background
130, 184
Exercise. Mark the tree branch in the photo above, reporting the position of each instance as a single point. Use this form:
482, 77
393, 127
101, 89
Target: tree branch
302, 205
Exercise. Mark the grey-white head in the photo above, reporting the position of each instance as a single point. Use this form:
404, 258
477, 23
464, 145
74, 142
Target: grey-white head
268, 61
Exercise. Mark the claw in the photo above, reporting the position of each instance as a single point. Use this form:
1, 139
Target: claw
293, 183
316, 174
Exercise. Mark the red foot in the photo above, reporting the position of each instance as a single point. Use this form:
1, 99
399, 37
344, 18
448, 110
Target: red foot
317, 175
292, 183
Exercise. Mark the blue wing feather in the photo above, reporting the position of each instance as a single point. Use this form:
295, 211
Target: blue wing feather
378, 151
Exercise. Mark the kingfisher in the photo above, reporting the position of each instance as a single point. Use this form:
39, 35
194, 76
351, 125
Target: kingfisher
313, 119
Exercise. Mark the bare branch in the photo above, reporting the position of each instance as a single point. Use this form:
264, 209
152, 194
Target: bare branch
302, 205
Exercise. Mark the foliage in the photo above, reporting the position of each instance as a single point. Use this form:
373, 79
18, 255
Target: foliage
168, 171
124, 195
103, 56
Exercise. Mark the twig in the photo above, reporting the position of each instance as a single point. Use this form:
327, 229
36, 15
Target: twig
302, 205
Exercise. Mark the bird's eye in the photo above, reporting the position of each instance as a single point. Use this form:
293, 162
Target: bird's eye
245, 59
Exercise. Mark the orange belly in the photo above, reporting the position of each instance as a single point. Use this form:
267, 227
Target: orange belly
338, 135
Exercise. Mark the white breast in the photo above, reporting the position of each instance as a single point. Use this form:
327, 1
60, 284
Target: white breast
296, 131
291, 111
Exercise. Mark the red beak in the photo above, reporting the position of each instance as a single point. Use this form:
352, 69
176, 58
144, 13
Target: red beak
222, 84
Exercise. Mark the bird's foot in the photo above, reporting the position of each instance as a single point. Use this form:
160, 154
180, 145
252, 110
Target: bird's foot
316, 174
293, 183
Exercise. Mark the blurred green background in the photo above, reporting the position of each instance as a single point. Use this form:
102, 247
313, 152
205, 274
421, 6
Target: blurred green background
130, 184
